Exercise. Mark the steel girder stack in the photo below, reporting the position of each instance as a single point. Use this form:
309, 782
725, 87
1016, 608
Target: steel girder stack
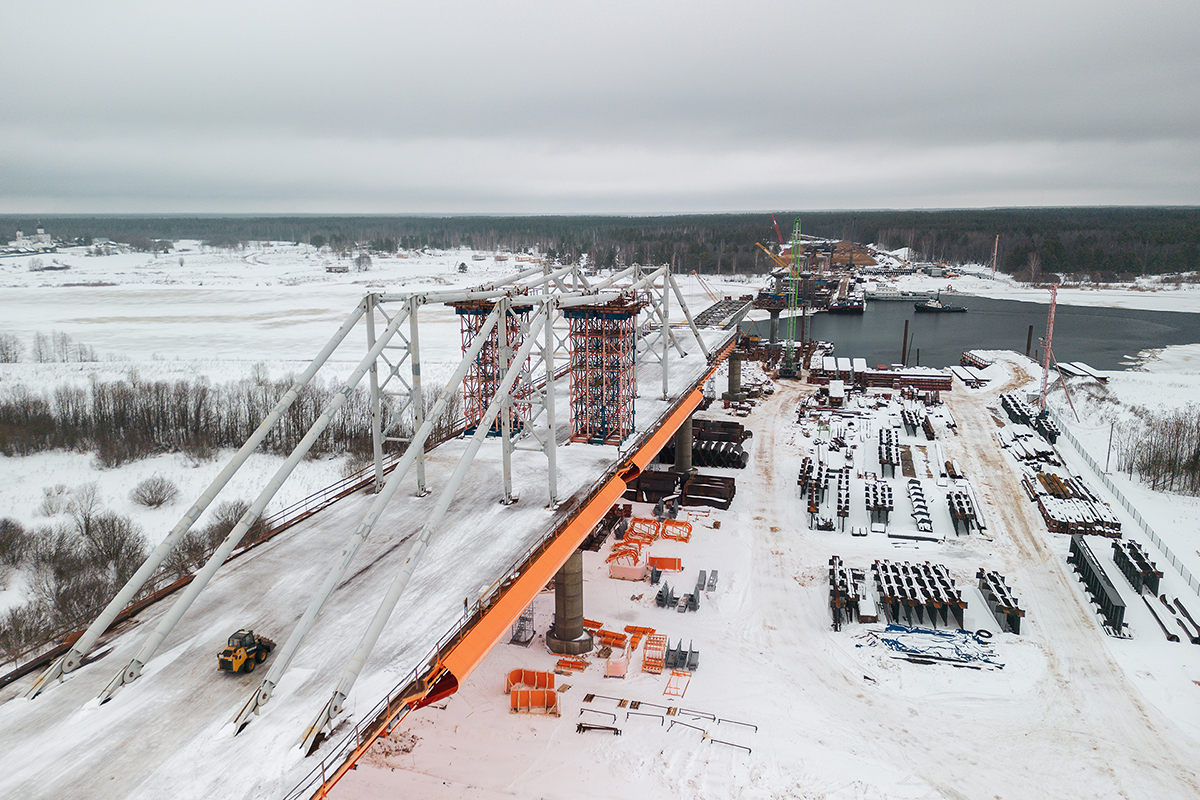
603, 342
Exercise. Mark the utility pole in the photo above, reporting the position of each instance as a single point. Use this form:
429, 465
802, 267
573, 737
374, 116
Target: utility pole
1108, 456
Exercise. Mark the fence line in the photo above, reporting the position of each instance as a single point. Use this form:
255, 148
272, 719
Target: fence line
1128, 506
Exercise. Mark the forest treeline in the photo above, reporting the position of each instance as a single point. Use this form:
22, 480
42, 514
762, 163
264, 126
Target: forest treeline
1100, 243
1163, 449
124, 420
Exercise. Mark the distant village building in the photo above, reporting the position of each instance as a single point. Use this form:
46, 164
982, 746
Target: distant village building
40, 242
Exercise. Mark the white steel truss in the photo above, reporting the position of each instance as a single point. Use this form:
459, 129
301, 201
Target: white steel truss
398, 417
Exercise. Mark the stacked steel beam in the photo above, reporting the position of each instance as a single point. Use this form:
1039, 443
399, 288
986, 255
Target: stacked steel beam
918, 593
879, 500
889, 451
962, 510
845, 586
1104, 594
1000, 600
1136, 566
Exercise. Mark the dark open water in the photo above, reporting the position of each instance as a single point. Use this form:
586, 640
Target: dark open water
1104, 338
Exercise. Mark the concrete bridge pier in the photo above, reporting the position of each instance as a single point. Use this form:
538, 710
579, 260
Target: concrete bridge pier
775, 325
568, 636
735, 378
683, 446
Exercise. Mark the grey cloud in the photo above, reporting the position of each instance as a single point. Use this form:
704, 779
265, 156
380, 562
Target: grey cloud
554, 106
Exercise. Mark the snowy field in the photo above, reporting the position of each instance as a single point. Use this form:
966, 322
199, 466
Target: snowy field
1073, 712
1060, 711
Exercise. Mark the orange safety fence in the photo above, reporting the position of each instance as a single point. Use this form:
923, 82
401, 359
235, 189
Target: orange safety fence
627, 550
571, 664
636, 633
530, 700
643, 530
592, 625
676, 530
529, 679
655, 654
666, 564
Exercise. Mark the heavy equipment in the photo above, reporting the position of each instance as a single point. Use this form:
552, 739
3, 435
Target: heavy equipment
244, 652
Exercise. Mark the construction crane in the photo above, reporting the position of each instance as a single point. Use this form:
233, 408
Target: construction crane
1046, 345
1049, 354
789, 361
780, 261
777, 233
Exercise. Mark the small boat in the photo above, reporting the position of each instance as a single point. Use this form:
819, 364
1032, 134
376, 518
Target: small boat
936, 306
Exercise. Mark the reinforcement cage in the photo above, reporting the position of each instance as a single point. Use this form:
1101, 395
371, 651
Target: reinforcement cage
487, 370
603, 345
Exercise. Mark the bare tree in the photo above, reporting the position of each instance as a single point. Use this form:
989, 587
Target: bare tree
10, 348
13, 541
154, 492
84, 507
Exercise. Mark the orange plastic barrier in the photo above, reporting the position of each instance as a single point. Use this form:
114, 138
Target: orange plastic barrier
676, 530
530, 700
571, 664
616, 667
611, 638
655, 654
592, 625
529, 679
627, 572
636, 633
666, 564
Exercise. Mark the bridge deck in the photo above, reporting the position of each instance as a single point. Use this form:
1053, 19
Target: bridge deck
169, 734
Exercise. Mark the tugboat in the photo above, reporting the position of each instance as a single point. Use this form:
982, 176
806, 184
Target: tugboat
935, 306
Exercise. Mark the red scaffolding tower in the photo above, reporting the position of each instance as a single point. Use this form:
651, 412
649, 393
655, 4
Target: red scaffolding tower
486, 372
603, 341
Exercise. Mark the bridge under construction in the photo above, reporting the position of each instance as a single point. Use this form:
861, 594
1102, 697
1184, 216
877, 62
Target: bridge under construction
388, 598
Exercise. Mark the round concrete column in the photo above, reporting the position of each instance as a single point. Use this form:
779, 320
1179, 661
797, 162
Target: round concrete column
683, 446
735, 374
567, 636
774, 326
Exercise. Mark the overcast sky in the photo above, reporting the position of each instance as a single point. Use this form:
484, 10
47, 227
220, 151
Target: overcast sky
554, 106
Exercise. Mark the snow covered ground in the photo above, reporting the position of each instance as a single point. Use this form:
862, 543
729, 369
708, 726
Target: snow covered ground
1072, 713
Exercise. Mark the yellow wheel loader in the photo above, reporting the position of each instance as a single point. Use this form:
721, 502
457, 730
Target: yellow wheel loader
244, 652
